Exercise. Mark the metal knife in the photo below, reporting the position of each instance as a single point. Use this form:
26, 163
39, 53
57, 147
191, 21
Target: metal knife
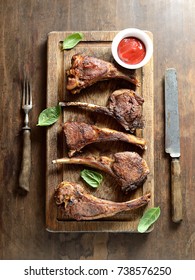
172, 141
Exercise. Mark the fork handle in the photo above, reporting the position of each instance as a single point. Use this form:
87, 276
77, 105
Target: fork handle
24, 178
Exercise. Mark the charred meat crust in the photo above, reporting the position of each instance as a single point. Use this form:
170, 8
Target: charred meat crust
87, 70
124, 105
78, 204
80, 134
128, 168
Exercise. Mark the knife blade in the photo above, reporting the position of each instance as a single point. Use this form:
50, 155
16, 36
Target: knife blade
172, 141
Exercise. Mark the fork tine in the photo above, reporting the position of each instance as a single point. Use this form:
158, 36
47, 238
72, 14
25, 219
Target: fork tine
30, 94
23, 93
27, 92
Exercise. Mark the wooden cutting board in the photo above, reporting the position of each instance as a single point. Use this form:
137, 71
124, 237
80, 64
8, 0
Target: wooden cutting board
95, 43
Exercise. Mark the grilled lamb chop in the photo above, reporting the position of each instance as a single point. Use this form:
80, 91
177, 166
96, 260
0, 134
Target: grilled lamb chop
124, 105
79, 135
128, 168
80, 205
87, 70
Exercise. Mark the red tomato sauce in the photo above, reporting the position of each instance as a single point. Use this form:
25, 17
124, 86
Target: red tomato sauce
131, 50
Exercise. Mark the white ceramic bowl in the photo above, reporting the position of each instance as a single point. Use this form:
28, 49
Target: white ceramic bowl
139, 34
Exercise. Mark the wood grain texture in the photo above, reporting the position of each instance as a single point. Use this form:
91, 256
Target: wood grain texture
98, 44
24, 27
176, 191
24, 177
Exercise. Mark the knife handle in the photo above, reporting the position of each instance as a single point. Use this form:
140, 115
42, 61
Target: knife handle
176, 191
24, 178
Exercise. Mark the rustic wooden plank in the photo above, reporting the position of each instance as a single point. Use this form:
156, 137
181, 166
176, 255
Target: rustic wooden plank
53, 93
96, 44
23, 218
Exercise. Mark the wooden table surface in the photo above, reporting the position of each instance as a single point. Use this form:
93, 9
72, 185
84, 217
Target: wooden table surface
23, 44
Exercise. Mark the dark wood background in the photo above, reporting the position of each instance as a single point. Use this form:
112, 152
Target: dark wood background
24, 27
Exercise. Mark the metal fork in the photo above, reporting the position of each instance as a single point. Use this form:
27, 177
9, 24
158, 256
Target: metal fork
24, 178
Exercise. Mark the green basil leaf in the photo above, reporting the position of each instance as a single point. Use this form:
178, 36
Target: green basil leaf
149, 217
71, 41
92, 178
49, 116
